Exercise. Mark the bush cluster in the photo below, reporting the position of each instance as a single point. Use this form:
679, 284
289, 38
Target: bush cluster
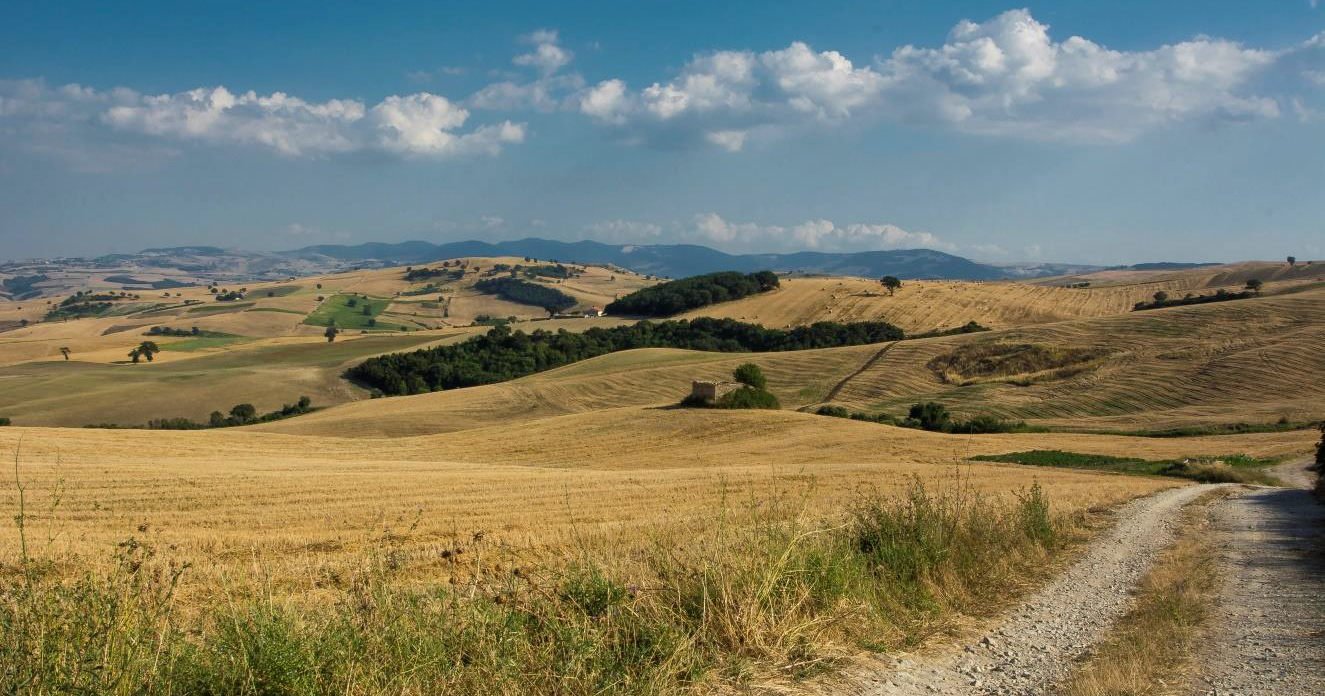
524, 292
934, 417
677, 296
503, 354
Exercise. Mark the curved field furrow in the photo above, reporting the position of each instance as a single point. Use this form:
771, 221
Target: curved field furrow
1251, 360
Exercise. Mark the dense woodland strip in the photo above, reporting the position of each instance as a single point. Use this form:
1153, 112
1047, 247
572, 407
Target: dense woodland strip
502, 355
674, 297
524, 292
1162, 300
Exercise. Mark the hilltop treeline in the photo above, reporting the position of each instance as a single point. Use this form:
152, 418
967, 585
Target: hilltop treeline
417, 274
673, 297
1221, 295
524, 292
501, 354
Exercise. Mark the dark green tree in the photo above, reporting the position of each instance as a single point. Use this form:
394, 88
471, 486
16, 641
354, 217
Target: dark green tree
64, 350
892, 283
750, 374
216, 420
1161, 297
1292, 260
330, 333
930, 415
244, 412
1255, 285
147, 349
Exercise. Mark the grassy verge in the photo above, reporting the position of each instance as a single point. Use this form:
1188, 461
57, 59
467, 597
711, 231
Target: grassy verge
764, 591
1233, 468
1151, 643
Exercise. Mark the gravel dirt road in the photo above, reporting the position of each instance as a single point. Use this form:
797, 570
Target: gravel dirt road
1268, 632
1035, 646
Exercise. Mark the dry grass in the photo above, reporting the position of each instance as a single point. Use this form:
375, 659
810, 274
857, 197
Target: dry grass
1148, 649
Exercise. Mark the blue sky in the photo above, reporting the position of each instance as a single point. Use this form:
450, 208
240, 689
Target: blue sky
1069, 131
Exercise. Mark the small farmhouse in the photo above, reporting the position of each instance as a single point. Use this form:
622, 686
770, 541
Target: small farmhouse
711, 391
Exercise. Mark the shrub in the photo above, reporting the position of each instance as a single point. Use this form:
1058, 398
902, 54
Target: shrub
931, 415
750, 375
5, 421
834, 411
748, 397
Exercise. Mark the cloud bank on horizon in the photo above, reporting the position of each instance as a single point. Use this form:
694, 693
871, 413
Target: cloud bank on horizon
1004, 78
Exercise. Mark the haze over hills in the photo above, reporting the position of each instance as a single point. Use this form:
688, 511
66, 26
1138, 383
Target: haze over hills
204, 263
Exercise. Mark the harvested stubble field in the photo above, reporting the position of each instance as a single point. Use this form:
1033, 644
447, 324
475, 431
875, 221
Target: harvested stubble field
924, 305
233, 501
1248, 360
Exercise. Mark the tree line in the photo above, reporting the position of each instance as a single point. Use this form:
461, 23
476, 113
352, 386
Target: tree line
524, 292
674, 297
934, 417
1162, 298
502, 354
240, 414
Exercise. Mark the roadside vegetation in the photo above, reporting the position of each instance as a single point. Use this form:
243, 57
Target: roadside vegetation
766, 591
1234, 468
524, 292
502, 354
674, 297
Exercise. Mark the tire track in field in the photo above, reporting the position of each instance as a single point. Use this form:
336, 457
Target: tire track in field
837, 388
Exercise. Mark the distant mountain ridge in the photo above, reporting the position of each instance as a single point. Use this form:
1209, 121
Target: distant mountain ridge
674, 260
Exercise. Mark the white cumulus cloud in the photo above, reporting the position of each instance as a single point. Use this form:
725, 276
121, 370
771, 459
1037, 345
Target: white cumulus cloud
1006, 76
416, 125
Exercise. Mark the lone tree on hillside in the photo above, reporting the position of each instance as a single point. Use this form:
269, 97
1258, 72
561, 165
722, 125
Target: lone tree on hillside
64, 350
1161, 297
330, 333
891, 282
146, 349
1255, 285
1292, 260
